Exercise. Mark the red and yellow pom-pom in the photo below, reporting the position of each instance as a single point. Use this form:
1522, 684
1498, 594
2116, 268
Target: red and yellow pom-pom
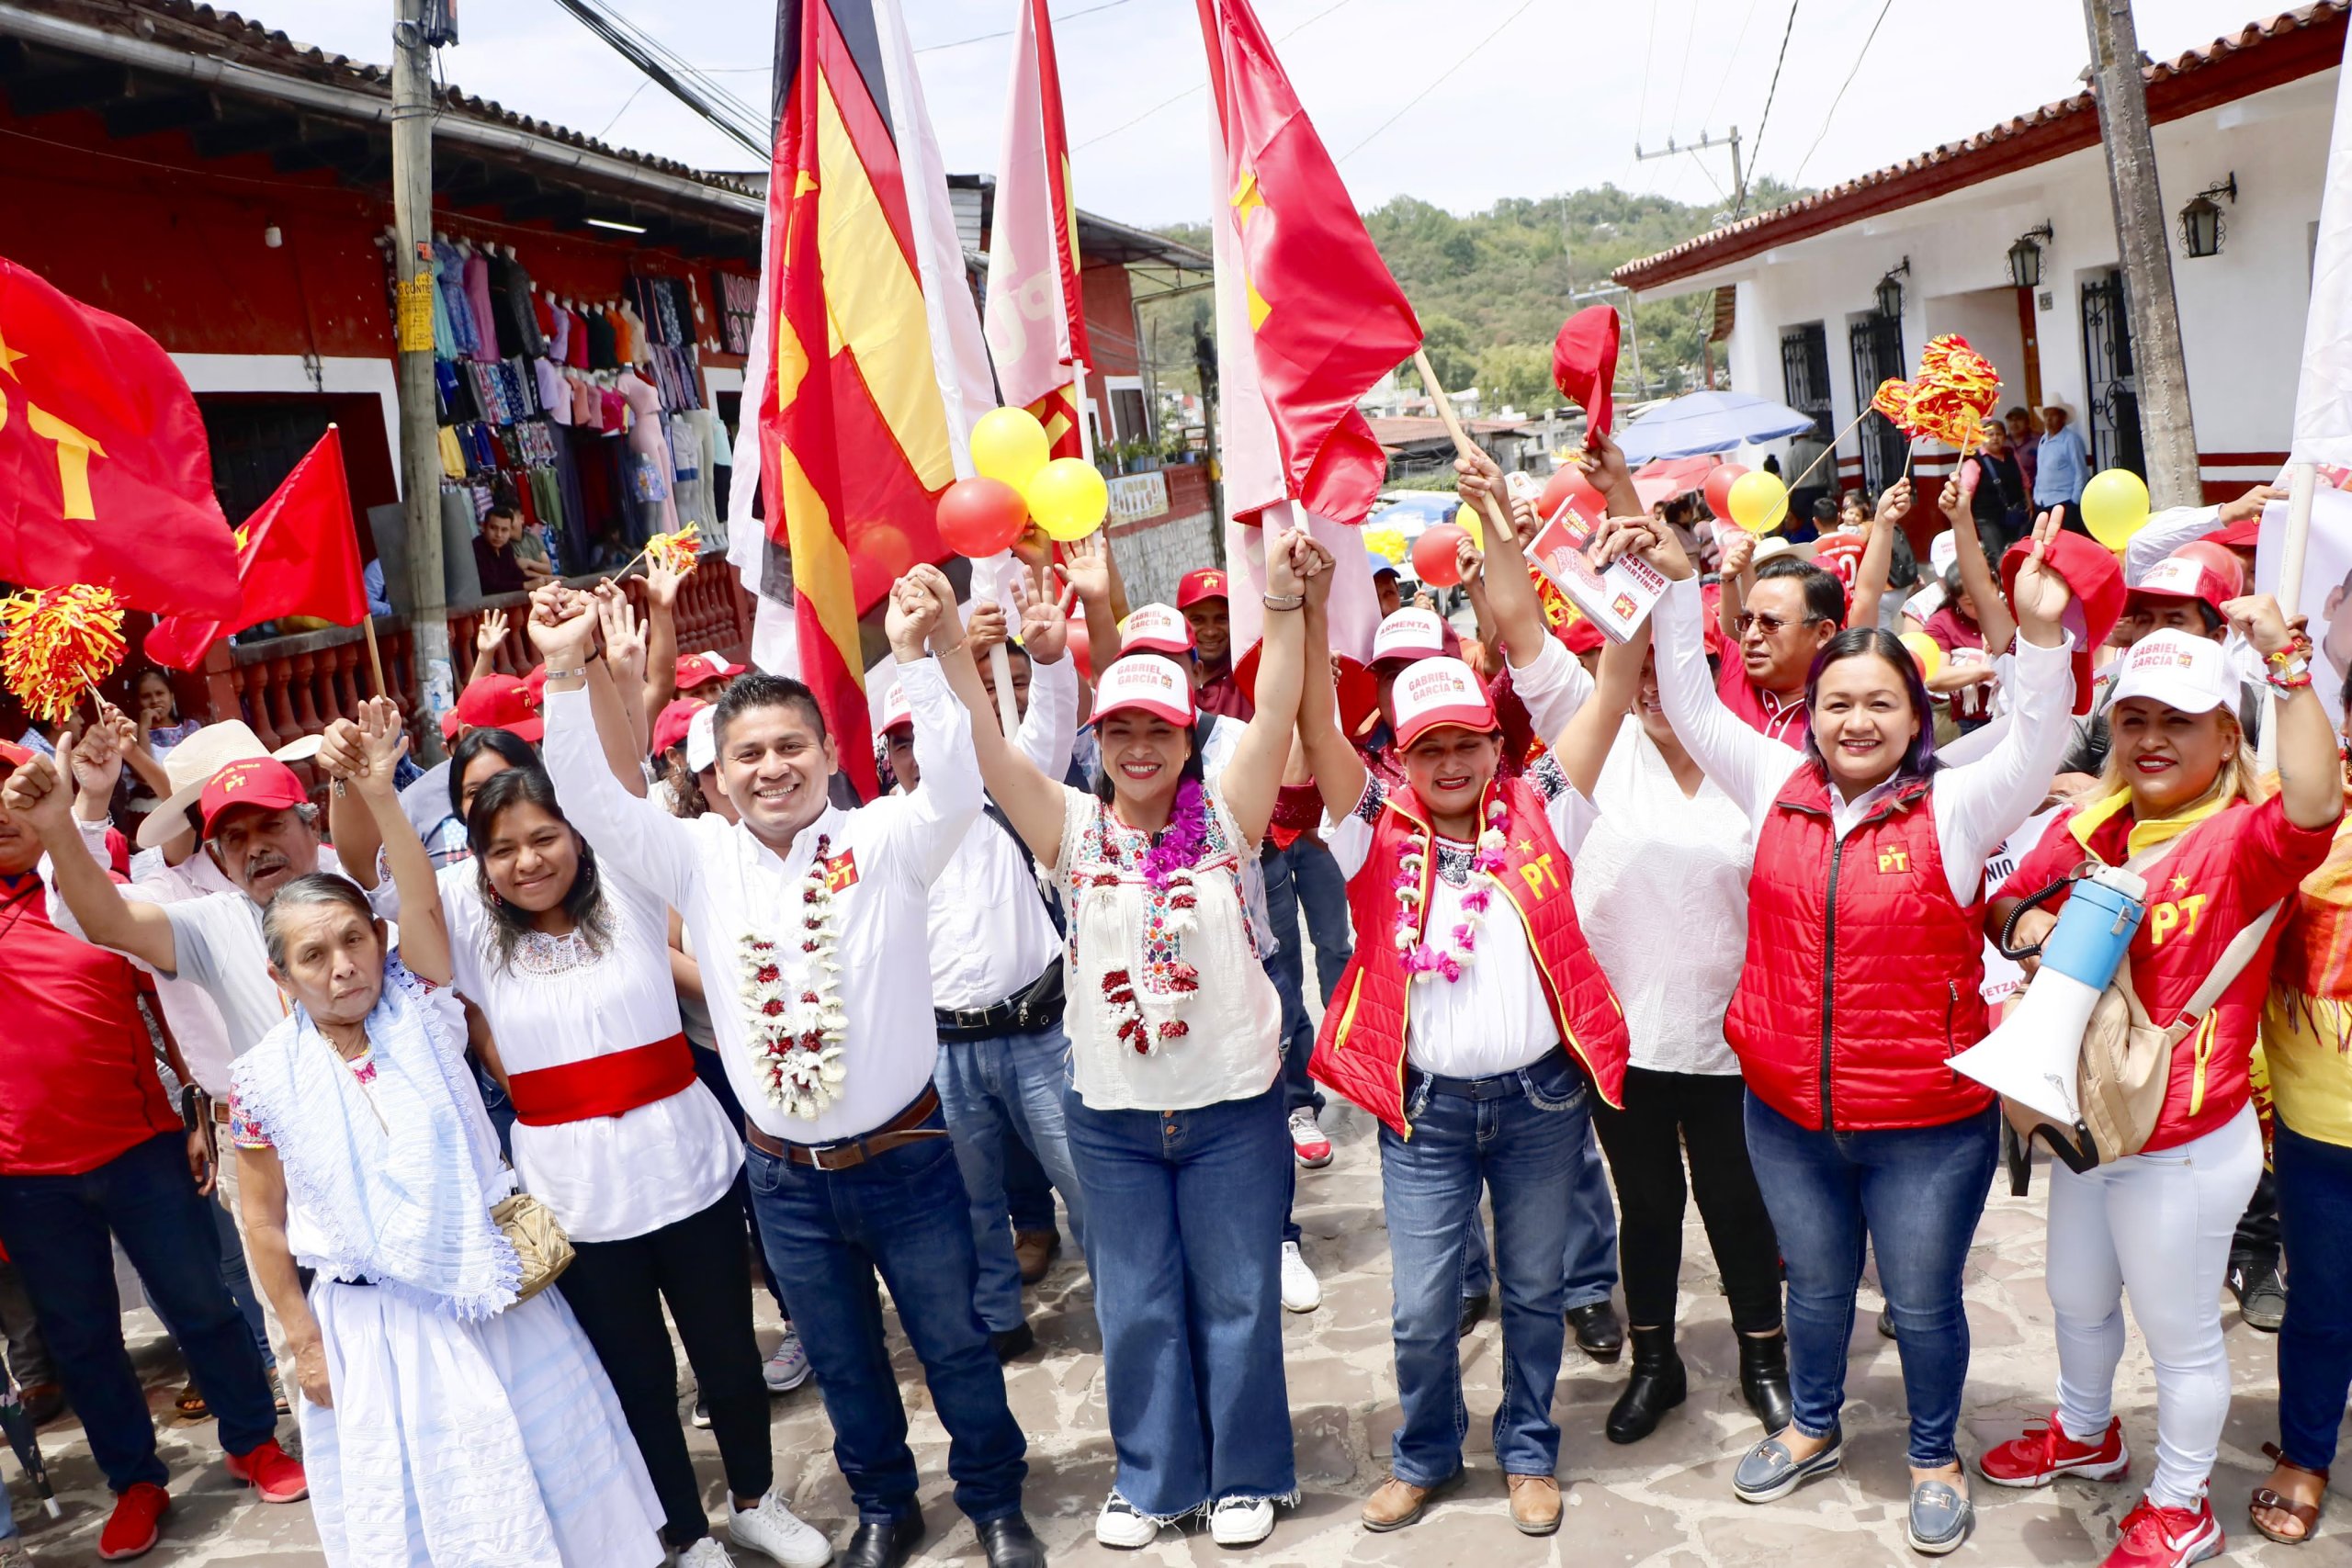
678, 552
57, 643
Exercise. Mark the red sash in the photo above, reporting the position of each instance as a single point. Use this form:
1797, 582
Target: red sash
603, 1086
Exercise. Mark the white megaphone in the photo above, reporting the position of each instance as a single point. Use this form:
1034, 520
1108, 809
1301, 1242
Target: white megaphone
2034, 1056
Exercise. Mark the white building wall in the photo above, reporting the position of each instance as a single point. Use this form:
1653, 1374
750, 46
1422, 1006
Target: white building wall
2242, 311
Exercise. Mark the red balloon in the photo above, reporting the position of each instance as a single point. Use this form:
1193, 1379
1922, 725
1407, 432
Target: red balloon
869, 580
889, 545
1081, 647
980, 516
1433, 559
1719, 485
1568, 483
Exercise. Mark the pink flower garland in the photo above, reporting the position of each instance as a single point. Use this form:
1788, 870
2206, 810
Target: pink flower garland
1423, 959
1179, 844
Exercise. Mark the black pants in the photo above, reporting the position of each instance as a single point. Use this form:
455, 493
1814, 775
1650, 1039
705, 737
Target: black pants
1666, 1113
616, 1289
2255, 1245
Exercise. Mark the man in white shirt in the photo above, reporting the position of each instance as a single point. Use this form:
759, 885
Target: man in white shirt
996, 975
812, 924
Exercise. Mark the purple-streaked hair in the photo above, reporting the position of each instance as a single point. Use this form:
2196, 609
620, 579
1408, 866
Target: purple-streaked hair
1859, 642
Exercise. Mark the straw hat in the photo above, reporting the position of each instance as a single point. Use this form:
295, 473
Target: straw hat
192, 763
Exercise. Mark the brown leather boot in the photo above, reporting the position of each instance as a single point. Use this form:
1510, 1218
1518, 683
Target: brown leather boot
1034, 1252
1399, 1503
1534, 1504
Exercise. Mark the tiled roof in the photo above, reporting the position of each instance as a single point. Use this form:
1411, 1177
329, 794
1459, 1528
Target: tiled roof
2261, 54
201, 30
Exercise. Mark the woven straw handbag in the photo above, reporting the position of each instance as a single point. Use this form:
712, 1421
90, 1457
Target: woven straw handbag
539, 1240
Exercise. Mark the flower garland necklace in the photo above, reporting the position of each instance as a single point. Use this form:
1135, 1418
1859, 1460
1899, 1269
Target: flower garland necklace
1167, 868
1423, 960
797, 1033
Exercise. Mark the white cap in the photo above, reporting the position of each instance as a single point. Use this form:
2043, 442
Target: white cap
1436, 691
1155, 629
702, 741
1409, 634
895, 709
1147, 682
2177, 670
1943, 552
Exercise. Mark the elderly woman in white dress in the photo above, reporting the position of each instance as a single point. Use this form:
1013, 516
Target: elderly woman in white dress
444, 1423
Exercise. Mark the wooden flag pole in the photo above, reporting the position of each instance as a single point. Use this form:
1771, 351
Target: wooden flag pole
1829, 452
1498, 514
375, 655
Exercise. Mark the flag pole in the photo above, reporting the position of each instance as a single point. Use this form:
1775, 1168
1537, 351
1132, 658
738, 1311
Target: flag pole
375, 654
1495, 516
1830, 451
2303, 481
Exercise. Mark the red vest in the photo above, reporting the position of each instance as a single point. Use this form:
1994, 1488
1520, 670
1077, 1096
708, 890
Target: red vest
1359, 1052
1864, 974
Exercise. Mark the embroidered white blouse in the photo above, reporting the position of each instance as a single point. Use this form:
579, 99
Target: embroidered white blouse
560, 1001
1230, 1047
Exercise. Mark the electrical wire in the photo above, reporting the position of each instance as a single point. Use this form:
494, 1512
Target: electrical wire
634, 94
1682, 76
1434, 86
1180, 97
1642, 115
1799, 176
1756, 149
1007, 32
1732, 64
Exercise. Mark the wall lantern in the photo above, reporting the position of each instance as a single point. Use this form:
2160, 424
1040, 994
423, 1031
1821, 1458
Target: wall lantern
2025, 257
1890, 293
2201, 229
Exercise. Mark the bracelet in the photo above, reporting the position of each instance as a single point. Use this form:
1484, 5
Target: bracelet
2290, 677
1283, 601
2299, 648
578, 674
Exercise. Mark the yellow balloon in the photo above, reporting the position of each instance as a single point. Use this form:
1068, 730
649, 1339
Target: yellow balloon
1010, 444
1927, 650
1472, 522
1067, 498
1387, 542
2115, 505
1759, 501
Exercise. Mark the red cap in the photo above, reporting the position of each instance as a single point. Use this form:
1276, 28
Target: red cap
502, 701
15, 756
2242, 535
257, 781
695, 669
670, 728
451, 725
2182, 575
895, 709
536, 682
1582, 635
1359, 692
2096, 577
1204, 582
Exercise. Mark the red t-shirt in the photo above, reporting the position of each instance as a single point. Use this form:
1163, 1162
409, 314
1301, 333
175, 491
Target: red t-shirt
2221, 874
1219, 693
77, 1068
1951, 634
1756, 708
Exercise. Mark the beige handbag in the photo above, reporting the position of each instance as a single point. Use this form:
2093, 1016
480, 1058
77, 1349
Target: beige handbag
538, 1241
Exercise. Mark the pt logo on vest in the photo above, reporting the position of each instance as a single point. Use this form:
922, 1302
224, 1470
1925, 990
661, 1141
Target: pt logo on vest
1894, 859
2175, 917
1538, 874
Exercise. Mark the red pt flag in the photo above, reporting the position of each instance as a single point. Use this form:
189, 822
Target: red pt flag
106, 476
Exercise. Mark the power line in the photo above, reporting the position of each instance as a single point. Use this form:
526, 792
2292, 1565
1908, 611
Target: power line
1849, 82
1642, 116
1180, 97
1739, 201
1682, 76
1434, 86
1731, 65
1007, 32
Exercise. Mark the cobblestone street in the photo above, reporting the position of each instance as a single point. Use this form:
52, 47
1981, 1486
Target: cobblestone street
1665, 1503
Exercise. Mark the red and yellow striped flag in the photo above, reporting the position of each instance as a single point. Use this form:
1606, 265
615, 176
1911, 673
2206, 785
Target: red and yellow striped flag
854, 443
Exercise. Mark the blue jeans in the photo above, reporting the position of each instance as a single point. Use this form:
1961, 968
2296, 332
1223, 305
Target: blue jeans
1588, 1267
1520, 1134
997, 1091
55, 1228
904, 1214
1028, 1191
2314, 1182
1305, 878
1188, 1291
712, 1074
1915, 1193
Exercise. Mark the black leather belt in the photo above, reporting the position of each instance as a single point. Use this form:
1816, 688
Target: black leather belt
1039, 1007
1501, 1086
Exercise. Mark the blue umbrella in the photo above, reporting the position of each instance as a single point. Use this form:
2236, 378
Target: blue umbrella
1699, 423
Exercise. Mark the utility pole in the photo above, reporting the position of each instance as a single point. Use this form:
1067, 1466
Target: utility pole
2166, 433
428, 620
1706, 142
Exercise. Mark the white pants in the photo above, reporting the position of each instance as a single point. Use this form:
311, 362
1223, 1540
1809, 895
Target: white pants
2160, 1225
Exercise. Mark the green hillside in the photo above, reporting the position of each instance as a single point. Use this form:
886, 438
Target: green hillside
1492, 288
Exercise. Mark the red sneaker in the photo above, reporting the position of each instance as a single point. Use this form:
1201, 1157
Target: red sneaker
1307, 1139
134, 1526
274, 1472
2044, 1452
2166, 1538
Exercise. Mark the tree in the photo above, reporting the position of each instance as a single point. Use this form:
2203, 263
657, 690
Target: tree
1451, 350
1517, 374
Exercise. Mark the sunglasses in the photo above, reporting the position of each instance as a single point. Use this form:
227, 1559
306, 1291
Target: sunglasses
1770, 626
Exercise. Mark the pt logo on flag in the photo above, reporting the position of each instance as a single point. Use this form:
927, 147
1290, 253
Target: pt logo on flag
73, 448
840, 870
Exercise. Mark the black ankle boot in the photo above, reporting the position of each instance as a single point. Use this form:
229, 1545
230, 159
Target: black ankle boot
1764, 1378
1657, 1386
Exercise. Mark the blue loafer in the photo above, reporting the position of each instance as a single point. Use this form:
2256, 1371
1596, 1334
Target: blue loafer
1941, 1516
1769, 1471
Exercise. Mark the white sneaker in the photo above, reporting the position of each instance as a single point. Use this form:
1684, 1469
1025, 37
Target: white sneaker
701, 1415
1308, 1144
705, 1554
1242, 1521
774, 1529
788, 1367
1302, 1291
1120, 1526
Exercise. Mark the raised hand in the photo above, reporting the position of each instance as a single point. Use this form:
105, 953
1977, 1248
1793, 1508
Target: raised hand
383, 741
343, 751
1893, 504
1086, 566
1479, 476
623, 630
1643, 536
490, 631
1282, 577
987, 628
37, 792
2257, 618
1739, 551
661, 583
2248, 505
1953, 499
1045, 622
1471, 561
2040, 596
97, 758
908, 620
563, 625
1604, 463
